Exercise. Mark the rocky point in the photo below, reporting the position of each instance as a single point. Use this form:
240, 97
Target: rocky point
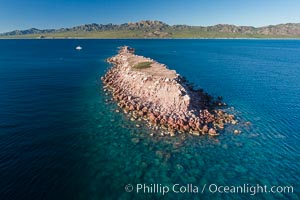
149, 90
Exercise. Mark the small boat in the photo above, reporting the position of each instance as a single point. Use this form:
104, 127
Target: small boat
78, 48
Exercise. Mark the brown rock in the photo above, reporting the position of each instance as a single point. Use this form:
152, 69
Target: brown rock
196, 133
131, 107
205, 129
140, 113
198, 126
163, 121
186, 128
152, 117
231, 117
212, 132
145, 109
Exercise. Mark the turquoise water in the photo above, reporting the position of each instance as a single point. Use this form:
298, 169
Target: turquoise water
61, 139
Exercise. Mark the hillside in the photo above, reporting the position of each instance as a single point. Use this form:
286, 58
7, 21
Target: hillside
158, 29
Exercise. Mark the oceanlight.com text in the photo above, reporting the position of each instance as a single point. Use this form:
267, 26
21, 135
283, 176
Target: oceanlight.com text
164, 189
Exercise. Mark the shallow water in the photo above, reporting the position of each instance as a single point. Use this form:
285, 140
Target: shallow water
60, 139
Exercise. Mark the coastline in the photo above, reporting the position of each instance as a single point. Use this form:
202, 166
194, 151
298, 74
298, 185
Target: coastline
92, 38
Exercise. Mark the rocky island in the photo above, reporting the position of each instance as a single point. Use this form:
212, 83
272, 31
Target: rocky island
149, 90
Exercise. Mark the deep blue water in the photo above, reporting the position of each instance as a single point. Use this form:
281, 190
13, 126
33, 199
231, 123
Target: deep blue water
60, 139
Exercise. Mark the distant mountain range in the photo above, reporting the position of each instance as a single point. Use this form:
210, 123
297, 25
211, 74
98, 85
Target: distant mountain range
158, 29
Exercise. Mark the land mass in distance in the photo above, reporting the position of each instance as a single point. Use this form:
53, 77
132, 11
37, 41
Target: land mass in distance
158, 29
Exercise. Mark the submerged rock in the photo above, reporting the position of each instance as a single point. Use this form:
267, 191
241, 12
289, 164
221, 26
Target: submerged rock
196, 133
179, 167
135, 140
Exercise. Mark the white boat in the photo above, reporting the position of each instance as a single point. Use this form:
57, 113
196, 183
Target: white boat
78, 48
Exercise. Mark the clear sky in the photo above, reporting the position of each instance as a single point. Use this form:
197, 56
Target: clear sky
24, 14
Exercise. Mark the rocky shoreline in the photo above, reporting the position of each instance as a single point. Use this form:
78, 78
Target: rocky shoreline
149, 90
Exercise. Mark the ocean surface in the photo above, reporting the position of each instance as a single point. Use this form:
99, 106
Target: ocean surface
60, 137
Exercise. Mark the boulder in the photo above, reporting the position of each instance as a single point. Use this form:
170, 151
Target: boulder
205, 129
196, 133
152, 117
212, 132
